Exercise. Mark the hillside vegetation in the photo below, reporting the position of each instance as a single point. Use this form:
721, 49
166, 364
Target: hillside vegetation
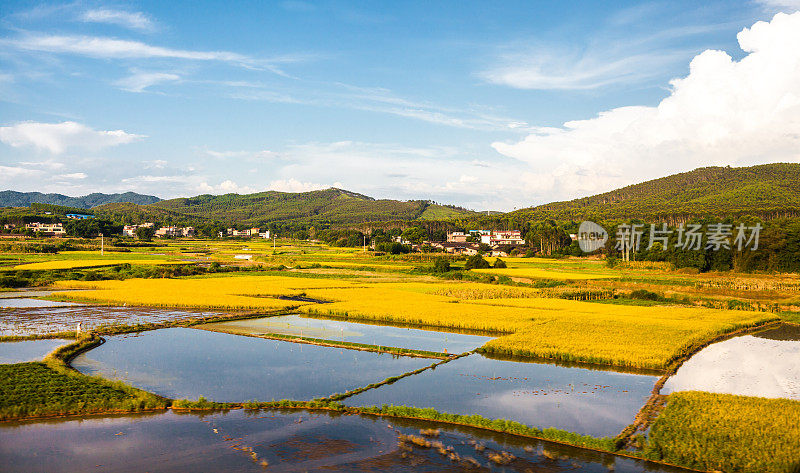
329, 206
767, 191
24, 199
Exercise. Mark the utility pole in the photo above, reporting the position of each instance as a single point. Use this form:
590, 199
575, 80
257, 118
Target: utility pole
102, 244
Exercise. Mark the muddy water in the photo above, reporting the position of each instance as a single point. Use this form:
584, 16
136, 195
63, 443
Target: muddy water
764, 364
29, 350
188, 363
24, 302
33, 316
586, 401
338, 330
288, 441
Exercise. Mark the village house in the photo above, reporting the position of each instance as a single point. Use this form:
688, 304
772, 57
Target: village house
507, 237
130, 230
250, 232
457, 237
52, 229
175, 232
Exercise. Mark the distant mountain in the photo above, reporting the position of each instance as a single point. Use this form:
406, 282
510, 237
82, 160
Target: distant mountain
330, 206
768, 191
25, 199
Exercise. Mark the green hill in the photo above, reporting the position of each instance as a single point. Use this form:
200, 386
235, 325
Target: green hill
332, 206
25, 199
767, 191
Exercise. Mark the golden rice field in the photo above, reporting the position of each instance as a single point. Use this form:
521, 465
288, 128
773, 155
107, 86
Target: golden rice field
75, 264
232, 293
531, 326
727, 433
558, 329
538, 273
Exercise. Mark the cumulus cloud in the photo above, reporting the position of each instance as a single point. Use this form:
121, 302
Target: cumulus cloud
139, 81
57, 137
225, 187
132, 20
724, 112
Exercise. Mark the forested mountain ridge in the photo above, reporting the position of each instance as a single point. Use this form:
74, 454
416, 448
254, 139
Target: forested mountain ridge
767, 191
328, 207
25, 199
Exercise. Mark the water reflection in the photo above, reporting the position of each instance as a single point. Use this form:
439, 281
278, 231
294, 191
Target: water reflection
287, 441
188, 363
586, 401
765, 364
28, 350
354, 332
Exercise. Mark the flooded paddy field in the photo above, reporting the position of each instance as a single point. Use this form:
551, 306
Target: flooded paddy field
287, 441
763, 364
28, 350
23, 317
339, 330
26, 303
188, 363
581, 400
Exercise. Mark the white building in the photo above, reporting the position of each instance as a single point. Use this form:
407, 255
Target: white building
56, 229
130, 230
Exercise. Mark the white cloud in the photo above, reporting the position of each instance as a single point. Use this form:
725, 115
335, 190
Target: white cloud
139, 81
12, 172
548, 67
787, 6
225, 187
616, 54
724, 112
132, 20
263, 154
112, 48
74, 175
101, 47
293, 185
57, 137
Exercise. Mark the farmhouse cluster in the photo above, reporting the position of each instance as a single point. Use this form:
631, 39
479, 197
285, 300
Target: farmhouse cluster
500, 242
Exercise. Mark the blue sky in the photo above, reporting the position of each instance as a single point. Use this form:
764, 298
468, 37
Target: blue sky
490, 106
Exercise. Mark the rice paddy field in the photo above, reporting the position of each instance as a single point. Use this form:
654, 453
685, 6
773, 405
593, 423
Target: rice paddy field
529, 326
727, 433
75, 264
541, 320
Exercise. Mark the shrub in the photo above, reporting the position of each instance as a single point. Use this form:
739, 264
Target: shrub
441, 265
500, 263
476, 262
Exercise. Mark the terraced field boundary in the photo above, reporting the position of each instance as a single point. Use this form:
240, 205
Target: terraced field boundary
118, 329
391, 379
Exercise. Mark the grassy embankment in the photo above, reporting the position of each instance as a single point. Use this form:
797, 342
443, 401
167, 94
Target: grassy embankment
727, 433
497, 425
51, 388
